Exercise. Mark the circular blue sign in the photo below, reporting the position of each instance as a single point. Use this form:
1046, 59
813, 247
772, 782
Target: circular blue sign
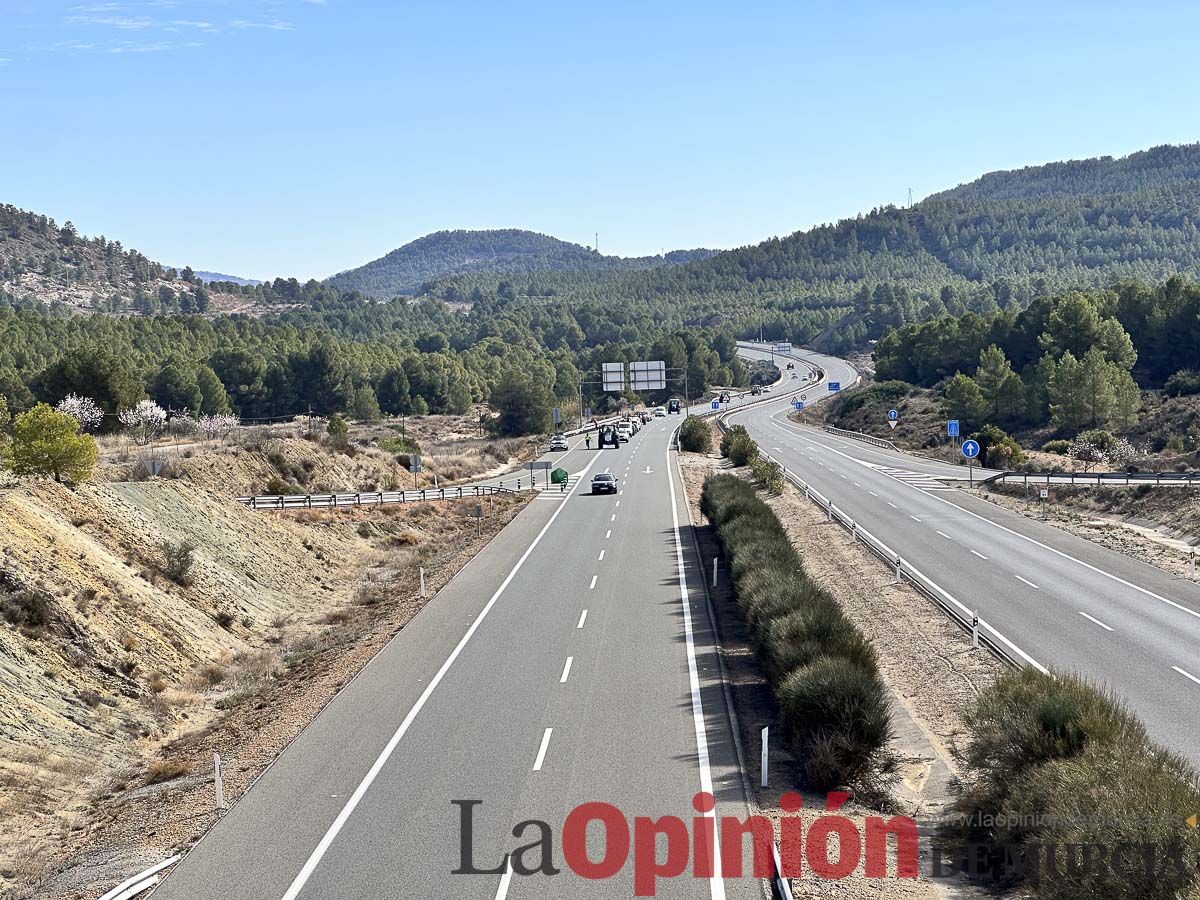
970, 449
893, 415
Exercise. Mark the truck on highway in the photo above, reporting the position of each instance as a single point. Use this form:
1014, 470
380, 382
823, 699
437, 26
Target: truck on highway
608, 438
674, 406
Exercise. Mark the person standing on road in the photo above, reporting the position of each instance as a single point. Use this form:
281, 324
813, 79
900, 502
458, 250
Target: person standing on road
587, 439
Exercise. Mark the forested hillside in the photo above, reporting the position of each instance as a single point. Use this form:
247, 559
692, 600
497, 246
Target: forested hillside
505, 252
993, 244
342, 353
1067, 362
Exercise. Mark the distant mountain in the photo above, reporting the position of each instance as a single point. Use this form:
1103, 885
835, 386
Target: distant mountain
508, 251
210, 277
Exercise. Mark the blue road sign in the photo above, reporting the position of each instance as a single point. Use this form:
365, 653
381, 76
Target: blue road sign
952, 428
799, 404
716, 404
970, 449
893, 415
835, 385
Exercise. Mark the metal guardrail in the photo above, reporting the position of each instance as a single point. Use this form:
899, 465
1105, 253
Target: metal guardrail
980, 630
865, 438
373, 498
1097, 479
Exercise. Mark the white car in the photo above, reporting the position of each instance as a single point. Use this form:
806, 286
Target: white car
623, 432
659, 412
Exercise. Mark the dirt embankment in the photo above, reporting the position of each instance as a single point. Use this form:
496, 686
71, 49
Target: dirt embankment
1157, 525
926, 661
125, 659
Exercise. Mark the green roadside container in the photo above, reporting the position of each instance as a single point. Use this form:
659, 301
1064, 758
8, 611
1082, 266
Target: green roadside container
558, 476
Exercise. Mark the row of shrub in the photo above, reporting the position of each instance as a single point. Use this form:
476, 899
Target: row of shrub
1054, 762
823, 670
738, 447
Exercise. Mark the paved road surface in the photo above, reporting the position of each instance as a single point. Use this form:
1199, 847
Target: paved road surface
1068, 603
553, 670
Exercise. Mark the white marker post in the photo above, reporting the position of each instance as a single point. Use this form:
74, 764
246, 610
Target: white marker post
975, 631
422, 582
766, 766
715, 569
218, 781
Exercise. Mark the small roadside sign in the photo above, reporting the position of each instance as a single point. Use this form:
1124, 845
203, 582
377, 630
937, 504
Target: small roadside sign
970, 449
892, 423
153, 466
893, 415
835, 385
804, 396
556, 415
414, 462
1044, 493
952, 428
716, 404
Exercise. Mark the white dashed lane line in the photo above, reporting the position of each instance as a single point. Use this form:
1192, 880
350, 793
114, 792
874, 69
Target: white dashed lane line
592, 586
977, 553
541, 755
582, 619
1188, 675
1095, 621
600, 558
566, 670
1028, 582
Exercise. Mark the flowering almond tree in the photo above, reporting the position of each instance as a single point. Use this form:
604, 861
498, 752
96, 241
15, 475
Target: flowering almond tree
217, 426
145, 421
84, 410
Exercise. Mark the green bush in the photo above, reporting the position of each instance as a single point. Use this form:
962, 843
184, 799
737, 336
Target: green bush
1100, 438
1058, 762
769, 474
836, 713
835, 706
1185, 381
695, 435
738, 447
1058, 446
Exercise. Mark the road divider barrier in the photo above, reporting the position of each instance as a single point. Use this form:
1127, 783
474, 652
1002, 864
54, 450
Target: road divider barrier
1096, 479
865, 438
372, 498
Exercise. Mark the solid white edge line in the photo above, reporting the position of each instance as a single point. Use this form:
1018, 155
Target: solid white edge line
1094, 620
566, 673
326, 841
716, 882
1027, 581
541, 754
505, 880
1186, 674
582, 619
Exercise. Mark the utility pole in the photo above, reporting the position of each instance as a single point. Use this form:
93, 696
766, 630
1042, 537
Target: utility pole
910, 198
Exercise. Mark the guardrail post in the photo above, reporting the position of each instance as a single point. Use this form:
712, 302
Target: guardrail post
766, 764
218, 781
975, 630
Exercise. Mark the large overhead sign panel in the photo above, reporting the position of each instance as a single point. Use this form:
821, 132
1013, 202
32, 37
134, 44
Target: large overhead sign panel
648, 376
613, 377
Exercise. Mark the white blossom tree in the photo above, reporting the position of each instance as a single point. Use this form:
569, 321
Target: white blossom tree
145, 421
1084, 451
84, 410
218, 426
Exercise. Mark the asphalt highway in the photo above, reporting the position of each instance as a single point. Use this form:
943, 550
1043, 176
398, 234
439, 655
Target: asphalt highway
1067, 603
571, 661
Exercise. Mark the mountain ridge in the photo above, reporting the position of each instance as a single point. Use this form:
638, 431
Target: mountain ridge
500, 251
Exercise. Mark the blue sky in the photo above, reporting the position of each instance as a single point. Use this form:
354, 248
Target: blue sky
302, 137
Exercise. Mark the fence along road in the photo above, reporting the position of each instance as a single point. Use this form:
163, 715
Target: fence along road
1067, 603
